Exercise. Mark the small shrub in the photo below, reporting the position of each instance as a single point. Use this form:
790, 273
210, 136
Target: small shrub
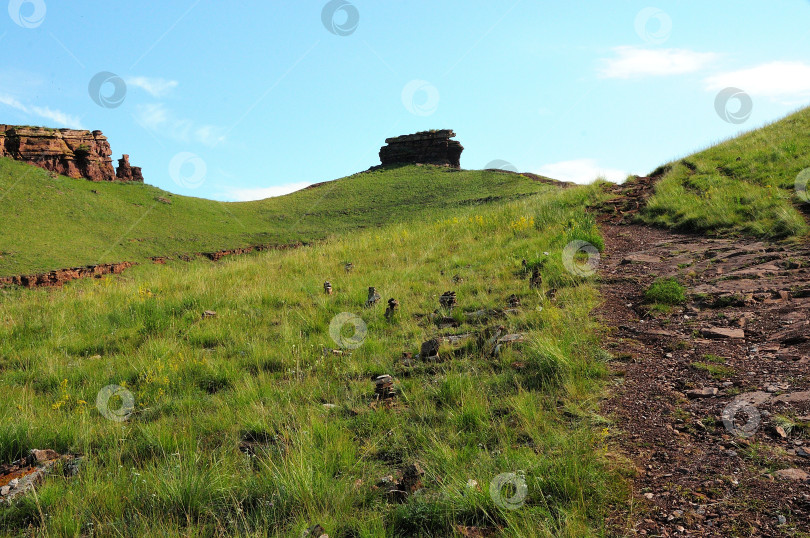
82, 152
666, 291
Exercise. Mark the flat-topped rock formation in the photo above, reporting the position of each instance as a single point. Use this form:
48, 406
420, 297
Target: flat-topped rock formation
69, 152
427, 147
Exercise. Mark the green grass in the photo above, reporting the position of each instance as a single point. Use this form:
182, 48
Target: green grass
665, 291
263, 368
717, 371
741, 186
54, 223
715, 366
714, 358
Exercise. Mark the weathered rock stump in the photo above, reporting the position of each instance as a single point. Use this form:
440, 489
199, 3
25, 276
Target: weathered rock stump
373, 297
430, 350
448, 300
125, 172
384, 387
393, 304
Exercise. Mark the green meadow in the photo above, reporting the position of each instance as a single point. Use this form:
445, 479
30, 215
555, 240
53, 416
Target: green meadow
255, 422
51, 222
243, 396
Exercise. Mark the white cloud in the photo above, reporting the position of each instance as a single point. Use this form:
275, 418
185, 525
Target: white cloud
631, 62
156, 87
157, 118
246, 195
781, 80
56, 116
13, 103
208, 135
581, 171
152, 116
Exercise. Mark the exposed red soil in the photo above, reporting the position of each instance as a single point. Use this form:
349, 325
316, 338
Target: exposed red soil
60, 276
216, 256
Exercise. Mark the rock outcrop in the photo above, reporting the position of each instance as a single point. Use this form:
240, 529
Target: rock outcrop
69, 152
125, 172
427, 147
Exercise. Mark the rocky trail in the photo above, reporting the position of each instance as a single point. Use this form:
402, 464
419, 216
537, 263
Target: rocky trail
712, 398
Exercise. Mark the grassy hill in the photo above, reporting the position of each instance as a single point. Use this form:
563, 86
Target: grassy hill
53, 223
744, 185
254, 421
247, 423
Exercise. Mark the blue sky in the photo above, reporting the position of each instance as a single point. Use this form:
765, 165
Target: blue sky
242, 101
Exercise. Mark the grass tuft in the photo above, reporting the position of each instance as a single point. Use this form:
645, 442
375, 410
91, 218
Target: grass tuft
665, 291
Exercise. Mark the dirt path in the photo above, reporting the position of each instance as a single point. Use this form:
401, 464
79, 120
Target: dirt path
740, 344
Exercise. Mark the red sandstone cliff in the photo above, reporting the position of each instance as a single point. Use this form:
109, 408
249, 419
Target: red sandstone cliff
73, 153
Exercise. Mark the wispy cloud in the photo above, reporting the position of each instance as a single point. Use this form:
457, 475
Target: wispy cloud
13, 103
246, 195
156, 87
152, 116
634, 62
162, 121
784, 81
56, 116
581, 171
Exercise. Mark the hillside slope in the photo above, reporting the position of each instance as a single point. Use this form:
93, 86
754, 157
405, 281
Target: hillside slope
52, 223
744, 185
254, 421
